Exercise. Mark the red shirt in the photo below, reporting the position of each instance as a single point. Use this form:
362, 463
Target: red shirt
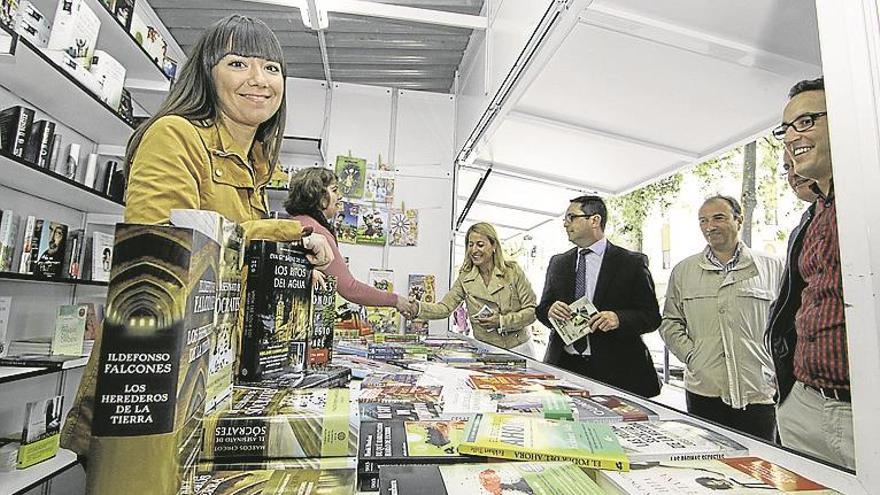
820, 356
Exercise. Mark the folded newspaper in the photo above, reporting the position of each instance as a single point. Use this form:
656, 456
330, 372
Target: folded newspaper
579, 324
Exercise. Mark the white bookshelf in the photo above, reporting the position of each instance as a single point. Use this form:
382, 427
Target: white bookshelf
22, 480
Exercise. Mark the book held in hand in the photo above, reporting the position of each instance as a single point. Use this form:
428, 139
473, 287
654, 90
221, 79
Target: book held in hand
578, 326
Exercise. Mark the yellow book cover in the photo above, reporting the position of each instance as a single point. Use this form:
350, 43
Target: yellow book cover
525, 438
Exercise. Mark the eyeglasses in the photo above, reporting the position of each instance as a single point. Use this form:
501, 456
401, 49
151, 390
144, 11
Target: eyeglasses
569, 217
800, 124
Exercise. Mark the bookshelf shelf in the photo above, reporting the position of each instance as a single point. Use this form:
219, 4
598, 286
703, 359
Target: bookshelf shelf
22, 176
24, 277
36, 79
22, 480
13, 373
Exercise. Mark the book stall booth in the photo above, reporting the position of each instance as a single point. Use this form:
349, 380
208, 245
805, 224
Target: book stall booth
266, 384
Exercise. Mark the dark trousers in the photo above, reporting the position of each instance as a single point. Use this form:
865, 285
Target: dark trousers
756, 419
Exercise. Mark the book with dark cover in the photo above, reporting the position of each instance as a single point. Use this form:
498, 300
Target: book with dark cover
278, 285
276, 424
221, 358
674, 440
153, 362
323, 377
410, 411
50, 252
71, 266
277, 482
15, 123
528, 478
39, 143
391, 442
323, 320
610, 409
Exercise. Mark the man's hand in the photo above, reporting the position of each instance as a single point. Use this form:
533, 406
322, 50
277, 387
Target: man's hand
604, 321
321, 253
559, 311
491, 322
409, 308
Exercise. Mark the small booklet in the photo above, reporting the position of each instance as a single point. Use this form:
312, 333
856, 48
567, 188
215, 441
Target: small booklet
578, 325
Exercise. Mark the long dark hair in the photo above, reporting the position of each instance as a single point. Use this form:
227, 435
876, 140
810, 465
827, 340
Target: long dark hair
308, 192
193, 95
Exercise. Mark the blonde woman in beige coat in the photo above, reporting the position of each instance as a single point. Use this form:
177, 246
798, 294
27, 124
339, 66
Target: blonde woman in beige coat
500, 301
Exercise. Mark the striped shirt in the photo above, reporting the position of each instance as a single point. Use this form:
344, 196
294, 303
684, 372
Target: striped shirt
725, 267
820, 356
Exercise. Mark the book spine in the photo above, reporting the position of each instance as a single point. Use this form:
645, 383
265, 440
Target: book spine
47, 140
25, 263
71, 161
32, 143
35, 246
532, 456
91, 170
56, 152
31, 363
249, 347
8, 229
23, 118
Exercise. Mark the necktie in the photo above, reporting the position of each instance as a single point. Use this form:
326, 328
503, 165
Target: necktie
582, 346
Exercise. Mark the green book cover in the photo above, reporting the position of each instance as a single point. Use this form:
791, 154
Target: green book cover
351, 174
279, 482
526, 438
274, 424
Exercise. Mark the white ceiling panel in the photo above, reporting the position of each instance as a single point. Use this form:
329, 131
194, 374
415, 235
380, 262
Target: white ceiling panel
517, 192
605, 164
504, 233
651, 92
785, 27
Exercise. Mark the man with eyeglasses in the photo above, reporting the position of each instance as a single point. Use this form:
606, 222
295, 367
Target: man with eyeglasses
806, 334
620, 286
716, 309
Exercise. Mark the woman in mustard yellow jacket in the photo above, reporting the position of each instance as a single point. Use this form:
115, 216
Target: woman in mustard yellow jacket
213, 145
499, 298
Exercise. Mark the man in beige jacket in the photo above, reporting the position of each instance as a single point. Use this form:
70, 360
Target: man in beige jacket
717, 304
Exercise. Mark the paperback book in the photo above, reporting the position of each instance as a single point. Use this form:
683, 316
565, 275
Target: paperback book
152, 367
351, 175
384, 443
277, 424
401, 393
674, 440
15, 123
526, 438
734, 476
75, 31
398, 411
42, 431
102, 256
276, 482
346, 222
320, 350
5, 307
372, 226
403, 227
8, 236
511, 478
70, 330
422, 288
49, 256
610, 409
277, 310
578, 326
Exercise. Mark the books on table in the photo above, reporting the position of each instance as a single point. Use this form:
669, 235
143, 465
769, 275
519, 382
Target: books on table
735, 476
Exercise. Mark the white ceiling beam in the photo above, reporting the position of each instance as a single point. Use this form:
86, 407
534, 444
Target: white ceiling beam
514, 207
387, 11
526, 174
673, 35
532, 118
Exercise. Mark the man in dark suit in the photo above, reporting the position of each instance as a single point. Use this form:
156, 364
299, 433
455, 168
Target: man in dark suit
619, 284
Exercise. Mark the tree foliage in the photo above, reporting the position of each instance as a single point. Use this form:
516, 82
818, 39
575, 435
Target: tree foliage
630, 210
